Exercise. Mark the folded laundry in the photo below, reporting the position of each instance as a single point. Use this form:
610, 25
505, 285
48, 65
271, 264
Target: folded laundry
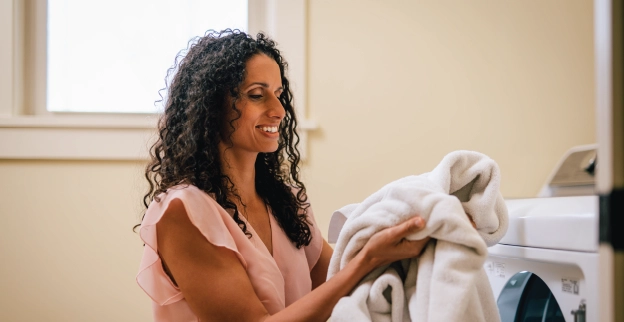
447, 282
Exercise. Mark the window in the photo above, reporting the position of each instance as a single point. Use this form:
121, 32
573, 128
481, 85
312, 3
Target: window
113, 56
28, 130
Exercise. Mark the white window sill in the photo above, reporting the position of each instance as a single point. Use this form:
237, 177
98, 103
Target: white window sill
116, 121
80, 137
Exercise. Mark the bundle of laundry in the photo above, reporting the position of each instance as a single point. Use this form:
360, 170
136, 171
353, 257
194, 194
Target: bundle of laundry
447, 282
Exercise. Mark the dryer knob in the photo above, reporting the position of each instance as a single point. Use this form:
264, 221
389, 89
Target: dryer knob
591, 166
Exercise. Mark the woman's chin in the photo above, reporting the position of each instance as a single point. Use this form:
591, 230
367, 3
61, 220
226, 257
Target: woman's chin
270, 149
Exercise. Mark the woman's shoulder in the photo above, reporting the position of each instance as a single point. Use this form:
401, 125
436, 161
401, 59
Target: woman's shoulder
185, 189
191, 197
184, 192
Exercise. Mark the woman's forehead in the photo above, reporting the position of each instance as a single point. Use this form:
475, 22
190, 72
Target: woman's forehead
262, 69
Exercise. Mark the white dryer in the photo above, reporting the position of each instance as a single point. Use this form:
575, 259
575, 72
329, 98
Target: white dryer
546, 266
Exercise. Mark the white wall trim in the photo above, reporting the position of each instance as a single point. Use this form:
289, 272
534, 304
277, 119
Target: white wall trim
84, 138
7, 58
79, 143
80, 121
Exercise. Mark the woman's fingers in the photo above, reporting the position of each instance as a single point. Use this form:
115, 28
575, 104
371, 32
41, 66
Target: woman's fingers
390, 245
415, 247
411, 248
408, 227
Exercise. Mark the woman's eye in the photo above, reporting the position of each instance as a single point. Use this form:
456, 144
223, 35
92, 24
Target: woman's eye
255, 96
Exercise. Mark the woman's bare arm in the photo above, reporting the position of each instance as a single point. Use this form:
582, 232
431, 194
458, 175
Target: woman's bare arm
319, 271
217, 288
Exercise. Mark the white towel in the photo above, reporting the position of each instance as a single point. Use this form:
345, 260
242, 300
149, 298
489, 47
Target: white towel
447, 282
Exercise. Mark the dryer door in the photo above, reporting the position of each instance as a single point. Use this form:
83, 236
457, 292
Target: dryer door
526, 298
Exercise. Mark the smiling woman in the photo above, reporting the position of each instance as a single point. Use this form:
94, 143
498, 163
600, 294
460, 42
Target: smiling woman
229, 232
260, 109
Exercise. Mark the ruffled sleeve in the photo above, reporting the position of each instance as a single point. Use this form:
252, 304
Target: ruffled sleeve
211, 220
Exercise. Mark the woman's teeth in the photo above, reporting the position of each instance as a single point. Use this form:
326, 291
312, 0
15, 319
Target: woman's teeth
270, 129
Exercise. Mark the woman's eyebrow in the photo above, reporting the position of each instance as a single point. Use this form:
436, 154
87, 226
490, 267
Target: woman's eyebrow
265, 85
258, 83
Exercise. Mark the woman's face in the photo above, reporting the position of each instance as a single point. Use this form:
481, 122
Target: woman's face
257, 129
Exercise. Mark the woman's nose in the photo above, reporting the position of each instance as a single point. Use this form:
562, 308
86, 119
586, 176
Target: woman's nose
276, 109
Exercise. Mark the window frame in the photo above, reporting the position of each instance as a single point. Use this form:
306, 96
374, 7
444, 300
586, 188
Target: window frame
29, 131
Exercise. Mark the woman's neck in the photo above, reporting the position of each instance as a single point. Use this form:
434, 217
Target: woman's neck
240, 168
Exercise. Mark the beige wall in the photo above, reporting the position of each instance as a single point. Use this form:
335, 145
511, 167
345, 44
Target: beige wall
394, 86
66, 243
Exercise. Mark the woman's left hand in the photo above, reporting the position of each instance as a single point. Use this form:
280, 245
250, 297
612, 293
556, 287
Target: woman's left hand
389, 245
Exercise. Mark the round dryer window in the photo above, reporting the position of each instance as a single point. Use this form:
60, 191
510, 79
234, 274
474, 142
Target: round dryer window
526, 298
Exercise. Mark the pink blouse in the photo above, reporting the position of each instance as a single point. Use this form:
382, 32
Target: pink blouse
278, 280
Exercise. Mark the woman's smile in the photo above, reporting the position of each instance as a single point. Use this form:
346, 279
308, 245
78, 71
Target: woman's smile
270, 131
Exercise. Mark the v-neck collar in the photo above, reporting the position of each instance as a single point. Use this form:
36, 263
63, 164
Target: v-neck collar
256, 238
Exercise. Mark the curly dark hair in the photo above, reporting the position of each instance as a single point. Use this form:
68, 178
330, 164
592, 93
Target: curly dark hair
191, 127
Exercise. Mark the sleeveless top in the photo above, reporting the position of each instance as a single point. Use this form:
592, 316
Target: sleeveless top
278, 280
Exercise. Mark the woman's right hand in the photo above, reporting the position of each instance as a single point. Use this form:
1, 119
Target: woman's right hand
389, 245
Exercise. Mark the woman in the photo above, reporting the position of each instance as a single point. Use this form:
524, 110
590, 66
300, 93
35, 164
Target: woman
229, 233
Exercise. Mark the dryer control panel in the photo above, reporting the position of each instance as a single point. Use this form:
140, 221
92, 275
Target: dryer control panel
574, 175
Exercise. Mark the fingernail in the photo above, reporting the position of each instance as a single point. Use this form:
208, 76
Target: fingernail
419, 222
